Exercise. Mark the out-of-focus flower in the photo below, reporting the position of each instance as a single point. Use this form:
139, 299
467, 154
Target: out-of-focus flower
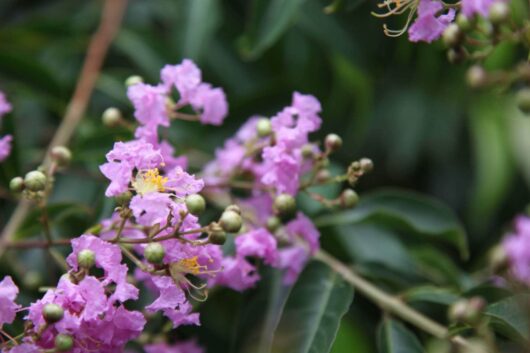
8, 307
5, 147
430, 23
190, 346
517, 247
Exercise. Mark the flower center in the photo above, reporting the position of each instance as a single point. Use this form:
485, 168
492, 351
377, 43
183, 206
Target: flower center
191, 265
149, 180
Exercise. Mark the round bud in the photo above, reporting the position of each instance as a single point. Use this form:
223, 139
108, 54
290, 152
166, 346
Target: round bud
132, 80
476, 76
264, 127
16, 184
234, 208
217, 235
498, 259
285, 205
86, 258
273, 223
63, 343
195, 204
465, 23
308, 151
452, 35
154, 253
475, 307
323, 176
123, 198
523, 100
35, 181
457, 311
111, 117
455, 56
61, 155
333, 142
231, 222
52, 313
366, 165
349, 198
499, 12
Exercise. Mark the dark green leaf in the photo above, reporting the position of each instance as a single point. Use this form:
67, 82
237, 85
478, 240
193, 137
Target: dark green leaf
394, 337
313, 312
510, 316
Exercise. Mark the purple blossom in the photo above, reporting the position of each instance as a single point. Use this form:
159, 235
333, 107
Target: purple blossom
477, 7
186, 77
151, 208
149, 103
257, 243
301, 228
293, 260
25, 348
428, 26
517, 247
210, 103
189, 346
8, 307
282, 171
5, 147
5, 106
238, 274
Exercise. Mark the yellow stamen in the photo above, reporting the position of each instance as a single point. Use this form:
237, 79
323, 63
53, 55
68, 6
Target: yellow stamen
149, 180
191, 265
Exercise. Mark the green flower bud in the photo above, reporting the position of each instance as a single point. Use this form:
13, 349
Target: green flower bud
476, 77
349, 198
61, 155
231, 222
195, 204
217, 235
285, 206
465, 23
154, 253
124, 198
452, 36
234, 208
63, 343
52, 313
523, 100
323, 175
16, 184
366, 165
308, 151
499, 13
498, 259
264, 127
333, 142
132, 80
457, 311
273, 223
86, 258
35, 181
455, 55
467, 311
111, 117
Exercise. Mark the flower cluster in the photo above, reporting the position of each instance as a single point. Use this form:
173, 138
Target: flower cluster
5, 142
517, 249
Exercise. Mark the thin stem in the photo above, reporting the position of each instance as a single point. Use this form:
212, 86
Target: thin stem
390, 303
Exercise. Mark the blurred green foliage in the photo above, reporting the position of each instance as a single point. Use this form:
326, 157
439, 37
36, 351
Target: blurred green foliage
401, 105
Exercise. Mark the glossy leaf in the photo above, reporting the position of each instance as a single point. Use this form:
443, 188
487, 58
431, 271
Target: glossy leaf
510, 316
394, 337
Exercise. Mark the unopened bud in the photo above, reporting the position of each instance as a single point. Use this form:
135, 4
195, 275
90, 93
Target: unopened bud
217, 235
86, 258
231, 222
349, 198
457, 311
333, 142
154, 253
455, 55
476, 76
16, 184
111, 117
264, 127
123, 198
523, 100
285, 206
498, 259
195, 204
234, 208
61, 155
308, 151
63, 342
452, 36
52, 313
499, 12
35, 181
465, 23
323, 176
273, 223
366, 165
467, 311
132, 80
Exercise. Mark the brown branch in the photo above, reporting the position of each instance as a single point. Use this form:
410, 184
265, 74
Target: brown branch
111, 17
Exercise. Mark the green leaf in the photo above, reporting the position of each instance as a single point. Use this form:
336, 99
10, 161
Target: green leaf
510, 316
414, 213
201, 21
394, 337
268, 21
313, 312
430, 294
139, 51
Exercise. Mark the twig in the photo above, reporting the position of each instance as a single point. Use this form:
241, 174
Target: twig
390, 303
109, 24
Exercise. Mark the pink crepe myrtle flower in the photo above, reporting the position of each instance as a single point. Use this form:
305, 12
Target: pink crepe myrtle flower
8, 307
292, 260
430, 23
517, 248
5, 147
24, 348
150, 107
238, 274
5, 106
210, 103
185, 77
257, 243
190, 346
477, 7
